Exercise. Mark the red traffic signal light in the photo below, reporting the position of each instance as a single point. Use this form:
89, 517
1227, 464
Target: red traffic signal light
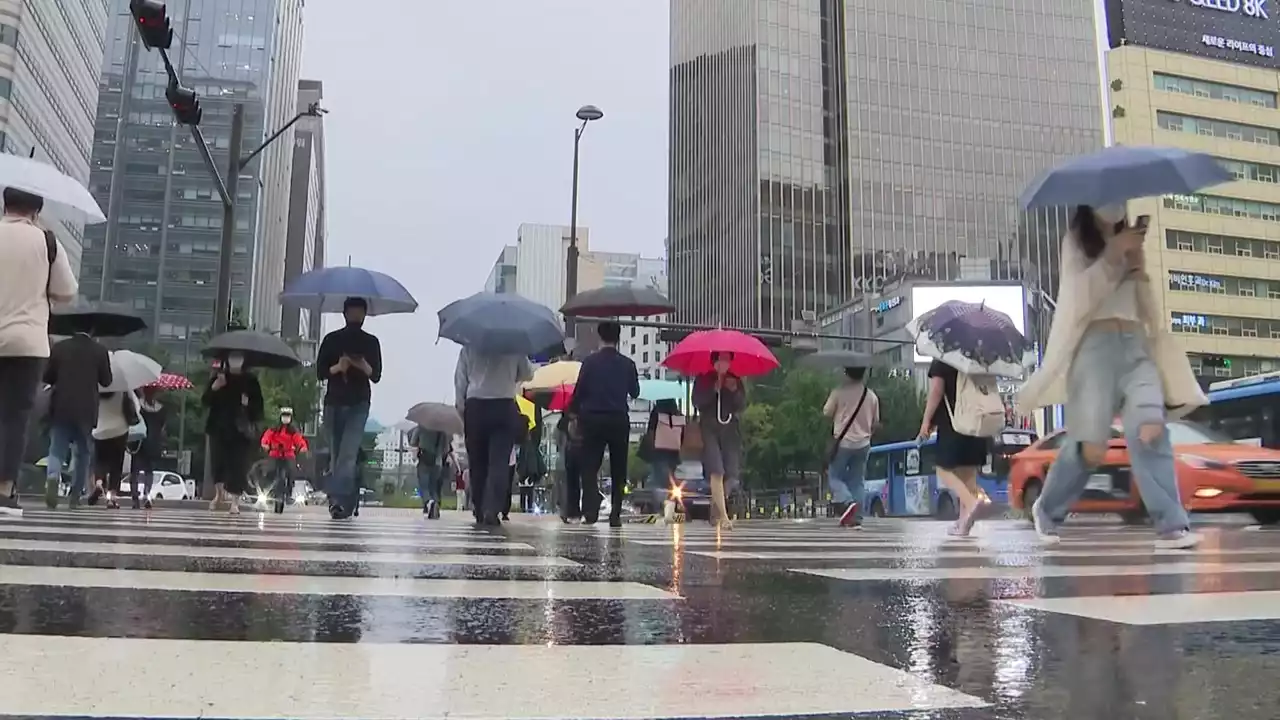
186, 108
152, 20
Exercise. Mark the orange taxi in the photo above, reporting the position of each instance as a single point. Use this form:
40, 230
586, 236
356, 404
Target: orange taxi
1215, 475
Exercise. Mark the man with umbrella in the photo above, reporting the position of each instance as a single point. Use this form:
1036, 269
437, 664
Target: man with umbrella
78, 367
33, 272
349, 361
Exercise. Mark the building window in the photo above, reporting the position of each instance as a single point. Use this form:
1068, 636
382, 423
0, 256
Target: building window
644, 358
1214, 91
8, 35
1251, 171
1217, 128
1216, 205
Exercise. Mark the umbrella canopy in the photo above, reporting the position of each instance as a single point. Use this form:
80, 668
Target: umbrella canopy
171, 381
528, 410
835, 360
43, 179
550, 377
655, 390
501, 323
971, 338
131, 370
259, 349
692, 356
100, 319
436, 416
631, 300
1121, 173
326, 290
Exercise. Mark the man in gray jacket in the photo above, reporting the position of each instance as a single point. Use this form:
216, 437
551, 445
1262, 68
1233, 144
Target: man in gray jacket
485, 388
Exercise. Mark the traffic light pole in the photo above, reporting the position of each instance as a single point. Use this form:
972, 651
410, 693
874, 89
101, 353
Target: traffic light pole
229, 187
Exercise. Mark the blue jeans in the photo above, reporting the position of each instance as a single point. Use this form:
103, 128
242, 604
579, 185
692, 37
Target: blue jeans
64, 437
848, 474
1111, 372
344, 425
430, 481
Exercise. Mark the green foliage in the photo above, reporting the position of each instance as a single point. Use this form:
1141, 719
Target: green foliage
637, 469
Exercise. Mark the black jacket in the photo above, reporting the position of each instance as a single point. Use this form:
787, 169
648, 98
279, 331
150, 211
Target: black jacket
226, 411
605, 383
352, 387
77, 366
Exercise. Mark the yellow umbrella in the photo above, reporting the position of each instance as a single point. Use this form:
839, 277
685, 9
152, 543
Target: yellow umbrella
527, 410
555, 375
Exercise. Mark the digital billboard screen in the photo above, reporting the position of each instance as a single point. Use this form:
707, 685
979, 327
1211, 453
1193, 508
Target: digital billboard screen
1008, 299
1241, 31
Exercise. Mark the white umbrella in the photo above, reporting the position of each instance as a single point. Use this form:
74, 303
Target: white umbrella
48, 182
131, 370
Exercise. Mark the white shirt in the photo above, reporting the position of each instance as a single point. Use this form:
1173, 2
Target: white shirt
25, 275
1121, 304
111, 420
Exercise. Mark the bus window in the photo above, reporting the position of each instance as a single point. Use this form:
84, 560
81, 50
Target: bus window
878, 466
898, 461
928, 459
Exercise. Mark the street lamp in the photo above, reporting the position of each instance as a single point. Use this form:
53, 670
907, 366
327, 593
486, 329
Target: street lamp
586, 114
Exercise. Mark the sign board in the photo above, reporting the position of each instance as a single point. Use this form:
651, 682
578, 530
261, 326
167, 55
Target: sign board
1241, 31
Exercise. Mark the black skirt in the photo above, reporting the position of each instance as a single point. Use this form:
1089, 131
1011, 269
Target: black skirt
230, 458
957, 451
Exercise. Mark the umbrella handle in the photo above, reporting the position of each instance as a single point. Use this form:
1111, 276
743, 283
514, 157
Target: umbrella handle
720, 418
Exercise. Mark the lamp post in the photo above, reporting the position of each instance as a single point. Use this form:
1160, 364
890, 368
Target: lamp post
586, 114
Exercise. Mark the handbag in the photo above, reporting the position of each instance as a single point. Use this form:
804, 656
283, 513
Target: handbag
691, 442
834, 447
669, 435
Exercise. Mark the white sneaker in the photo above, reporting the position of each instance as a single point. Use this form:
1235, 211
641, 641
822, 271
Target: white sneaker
1178, 540
1045, 529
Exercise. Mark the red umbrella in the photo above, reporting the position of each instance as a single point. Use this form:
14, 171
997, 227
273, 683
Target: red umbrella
171, 381
692, 356
560, 398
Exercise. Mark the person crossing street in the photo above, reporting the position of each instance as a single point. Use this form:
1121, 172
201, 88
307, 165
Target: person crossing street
283, 443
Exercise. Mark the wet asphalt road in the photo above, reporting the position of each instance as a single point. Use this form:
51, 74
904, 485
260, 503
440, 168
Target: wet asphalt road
186, 614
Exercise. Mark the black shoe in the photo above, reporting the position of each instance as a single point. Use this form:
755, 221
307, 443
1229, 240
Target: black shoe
137, 505
434, 513
337, 512
506, 517
51, 492
615, 521
95, 495
11, 507
590, 521
147, 505
491, 521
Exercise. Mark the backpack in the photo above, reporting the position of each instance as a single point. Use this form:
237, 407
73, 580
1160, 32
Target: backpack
979, 411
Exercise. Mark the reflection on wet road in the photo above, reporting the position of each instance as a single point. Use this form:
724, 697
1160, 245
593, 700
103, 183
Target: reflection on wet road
389, 616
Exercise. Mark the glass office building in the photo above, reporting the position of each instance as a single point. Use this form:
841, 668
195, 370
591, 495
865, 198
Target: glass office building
165, 242
822, 150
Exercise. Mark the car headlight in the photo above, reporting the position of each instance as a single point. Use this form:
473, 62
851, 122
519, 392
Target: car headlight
1202, 463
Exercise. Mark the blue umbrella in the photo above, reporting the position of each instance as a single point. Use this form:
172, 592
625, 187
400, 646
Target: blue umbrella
655, 390
501, 323
326, 289
1121, 173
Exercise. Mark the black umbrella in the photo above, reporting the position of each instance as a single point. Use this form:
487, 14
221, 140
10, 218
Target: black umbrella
259, 349
835, 360
100, 319
634, 300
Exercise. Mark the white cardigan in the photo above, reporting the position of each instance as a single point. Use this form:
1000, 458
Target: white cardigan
1084, 285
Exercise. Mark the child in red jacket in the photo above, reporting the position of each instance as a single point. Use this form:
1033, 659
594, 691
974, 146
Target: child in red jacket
283, 443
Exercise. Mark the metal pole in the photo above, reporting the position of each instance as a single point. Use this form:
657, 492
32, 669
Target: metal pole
222, 311
168, 197
116, 193
571, 257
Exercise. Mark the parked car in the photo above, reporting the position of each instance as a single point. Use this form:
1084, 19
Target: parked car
165, 486
1215, 475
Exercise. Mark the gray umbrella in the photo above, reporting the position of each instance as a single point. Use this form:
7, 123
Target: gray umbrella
633, 300
100, 319
836, 360
436, 416
501, 323
259, 349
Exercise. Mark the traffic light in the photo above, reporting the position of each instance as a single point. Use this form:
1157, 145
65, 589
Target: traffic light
186, 108
152, 20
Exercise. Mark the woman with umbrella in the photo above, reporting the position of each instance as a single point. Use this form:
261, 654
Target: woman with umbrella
119, 419
234, 400
435, 424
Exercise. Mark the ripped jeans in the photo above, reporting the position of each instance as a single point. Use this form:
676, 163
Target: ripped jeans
1112, 371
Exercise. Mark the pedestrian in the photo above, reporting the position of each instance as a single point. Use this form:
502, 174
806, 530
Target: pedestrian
569, 441
34, 272
151, 447
515, 461
720, 398
485, 389
431, 449
234, 401
532, 466
1110, 351
283, 443
117, 413
958, 457
855, 412
607, 382
660, 445
349, 362
77, 367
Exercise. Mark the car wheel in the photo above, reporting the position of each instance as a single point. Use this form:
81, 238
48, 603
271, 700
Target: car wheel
1266, 516
946, 507
877, 508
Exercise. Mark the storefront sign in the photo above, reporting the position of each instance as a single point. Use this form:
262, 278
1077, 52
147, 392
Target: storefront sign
1252, 8
1189, 280
1234, 30
886, 305
1190, 320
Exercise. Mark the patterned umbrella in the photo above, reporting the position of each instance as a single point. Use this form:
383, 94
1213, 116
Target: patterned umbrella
171, 381
971, 338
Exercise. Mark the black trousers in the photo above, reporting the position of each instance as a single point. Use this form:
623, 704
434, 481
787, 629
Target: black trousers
600, 433
109, 454
571, 506
490, 433
19, 381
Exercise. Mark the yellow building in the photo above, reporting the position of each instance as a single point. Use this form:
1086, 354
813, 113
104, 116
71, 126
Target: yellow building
1216, 253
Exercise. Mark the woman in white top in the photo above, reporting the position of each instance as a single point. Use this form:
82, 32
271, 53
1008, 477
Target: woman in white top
117, 412
1110, 352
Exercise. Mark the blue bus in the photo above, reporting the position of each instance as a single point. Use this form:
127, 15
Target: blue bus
902, 482
1245, 409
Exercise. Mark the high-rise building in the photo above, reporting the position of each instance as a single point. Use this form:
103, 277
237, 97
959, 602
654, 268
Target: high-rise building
52, 62
822, 150
307, 229
1205, 77
502, 278
166, 240
541, 251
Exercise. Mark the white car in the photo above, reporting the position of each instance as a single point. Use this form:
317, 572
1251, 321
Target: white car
165, 486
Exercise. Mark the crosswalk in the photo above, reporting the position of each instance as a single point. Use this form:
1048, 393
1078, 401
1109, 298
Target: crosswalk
392, 616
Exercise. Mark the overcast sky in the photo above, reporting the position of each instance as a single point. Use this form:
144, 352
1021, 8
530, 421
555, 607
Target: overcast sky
451, 122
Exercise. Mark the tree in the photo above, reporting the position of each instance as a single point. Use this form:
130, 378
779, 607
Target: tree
901, 406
